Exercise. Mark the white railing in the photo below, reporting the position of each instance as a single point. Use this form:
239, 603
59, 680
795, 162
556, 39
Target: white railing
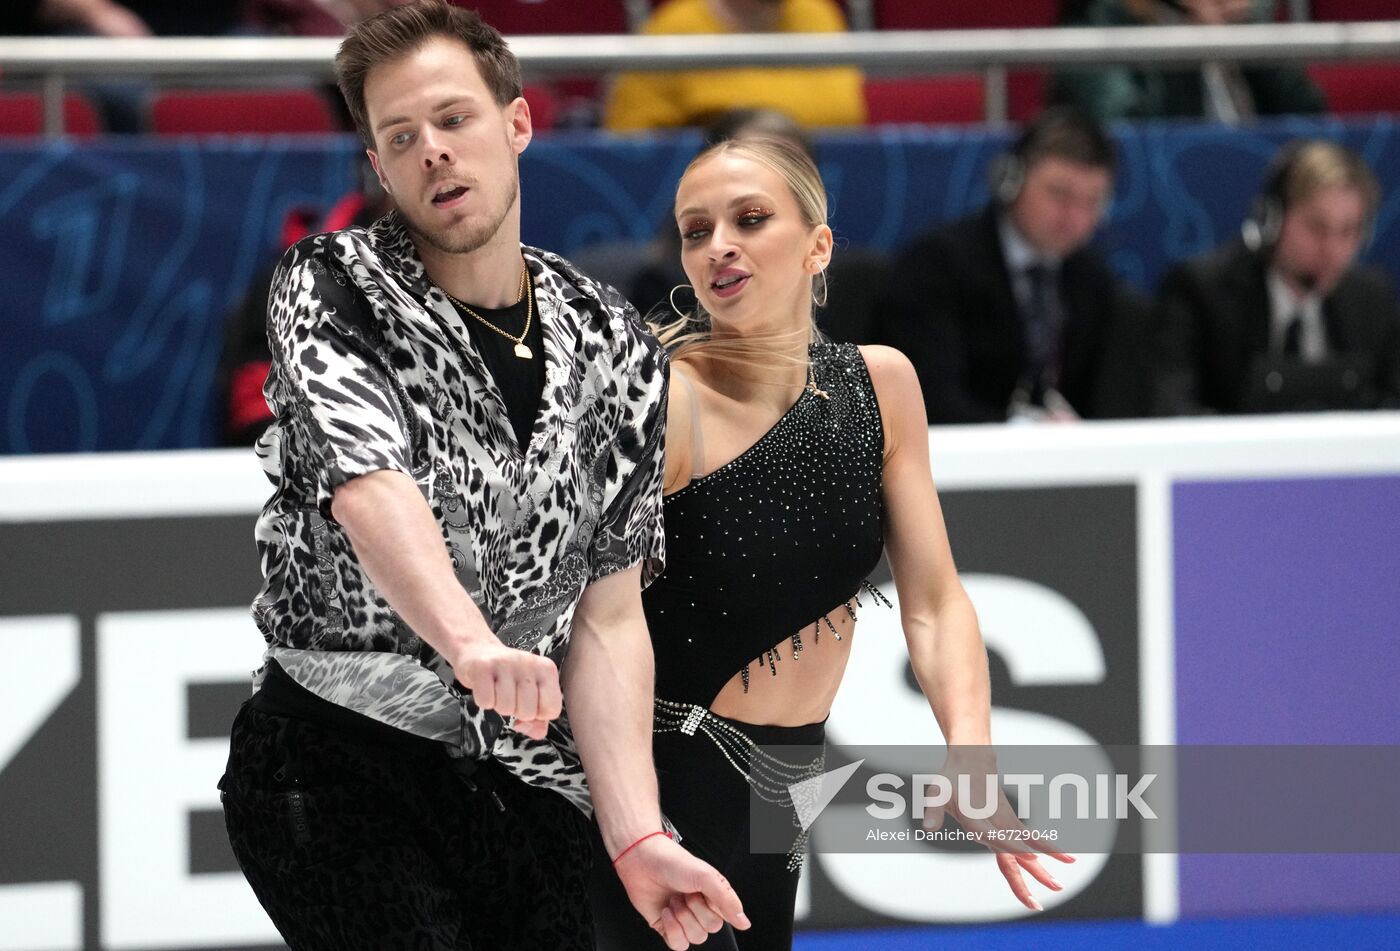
55, 61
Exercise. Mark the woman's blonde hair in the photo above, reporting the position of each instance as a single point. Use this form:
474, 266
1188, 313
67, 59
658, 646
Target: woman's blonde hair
690, 334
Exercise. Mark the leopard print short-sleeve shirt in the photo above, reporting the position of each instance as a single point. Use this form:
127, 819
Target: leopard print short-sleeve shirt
372, 369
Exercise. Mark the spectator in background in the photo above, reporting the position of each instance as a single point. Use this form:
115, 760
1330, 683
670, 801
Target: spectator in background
246, 358
232, 17
1215, 91
1007, 313
314, 17
813, 97
124, 103
177, 18
97, 17
183, 18
1237, 324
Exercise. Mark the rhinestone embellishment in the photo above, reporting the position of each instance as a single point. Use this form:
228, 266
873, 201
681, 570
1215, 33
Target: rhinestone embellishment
692, 720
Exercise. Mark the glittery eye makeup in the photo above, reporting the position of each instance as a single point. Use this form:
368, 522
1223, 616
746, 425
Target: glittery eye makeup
695, 228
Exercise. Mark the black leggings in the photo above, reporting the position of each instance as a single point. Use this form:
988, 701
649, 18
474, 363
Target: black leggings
709, 802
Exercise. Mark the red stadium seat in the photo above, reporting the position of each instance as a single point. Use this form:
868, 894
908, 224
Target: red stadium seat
964, 14
959, 98
1359, 88
956, 99
570, 96
544, 107
943, 99
23, 114
1025, 94
290, 110
227, 111
1346, 10
516, 17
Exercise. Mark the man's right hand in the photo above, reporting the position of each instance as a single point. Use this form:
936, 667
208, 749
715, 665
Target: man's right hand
681, 897
399, 544
513, 683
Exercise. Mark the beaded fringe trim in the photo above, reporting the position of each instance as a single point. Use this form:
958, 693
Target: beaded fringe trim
771, 657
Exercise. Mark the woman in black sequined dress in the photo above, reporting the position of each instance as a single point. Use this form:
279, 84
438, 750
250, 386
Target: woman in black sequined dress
792, 464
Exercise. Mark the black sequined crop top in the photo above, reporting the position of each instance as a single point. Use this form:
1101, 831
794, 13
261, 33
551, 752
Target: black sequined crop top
763, 547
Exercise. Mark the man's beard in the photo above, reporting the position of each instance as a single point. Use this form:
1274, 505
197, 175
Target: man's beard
465, 236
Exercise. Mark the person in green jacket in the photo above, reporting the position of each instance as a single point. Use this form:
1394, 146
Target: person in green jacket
1215, 90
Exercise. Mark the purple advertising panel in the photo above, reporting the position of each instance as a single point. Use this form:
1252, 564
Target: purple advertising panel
1287, 611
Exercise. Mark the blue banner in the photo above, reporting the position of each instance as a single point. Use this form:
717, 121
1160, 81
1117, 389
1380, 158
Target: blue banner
120, 258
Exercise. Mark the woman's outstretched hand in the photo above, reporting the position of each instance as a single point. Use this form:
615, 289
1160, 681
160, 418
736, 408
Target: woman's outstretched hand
969, 770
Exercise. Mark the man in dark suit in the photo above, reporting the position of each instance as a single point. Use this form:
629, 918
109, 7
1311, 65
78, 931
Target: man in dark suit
1007, 313
1288, 294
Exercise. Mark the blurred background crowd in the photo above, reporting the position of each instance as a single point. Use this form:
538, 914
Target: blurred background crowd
1011, 311
814, 97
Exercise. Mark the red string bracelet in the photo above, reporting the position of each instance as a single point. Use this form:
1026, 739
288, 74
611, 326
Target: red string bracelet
639, 842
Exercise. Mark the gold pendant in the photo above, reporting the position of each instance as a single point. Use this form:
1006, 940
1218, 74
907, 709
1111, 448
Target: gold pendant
523, 352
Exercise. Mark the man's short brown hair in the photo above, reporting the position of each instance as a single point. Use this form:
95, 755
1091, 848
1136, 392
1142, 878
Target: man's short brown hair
1067, 133
401, 30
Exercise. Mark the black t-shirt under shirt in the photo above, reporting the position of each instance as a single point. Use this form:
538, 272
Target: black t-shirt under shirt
520, 381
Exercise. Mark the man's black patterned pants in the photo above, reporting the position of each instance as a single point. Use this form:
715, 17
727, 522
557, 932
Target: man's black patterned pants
357, 846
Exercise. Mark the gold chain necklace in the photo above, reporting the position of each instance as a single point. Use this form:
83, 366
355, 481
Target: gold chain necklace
521, 350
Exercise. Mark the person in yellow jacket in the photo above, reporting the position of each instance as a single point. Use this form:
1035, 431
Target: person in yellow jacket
813, 97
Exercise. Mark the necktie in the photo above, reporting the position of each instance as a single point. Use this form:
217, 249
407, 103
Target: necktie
1043, 325
1293, 336
1227, 95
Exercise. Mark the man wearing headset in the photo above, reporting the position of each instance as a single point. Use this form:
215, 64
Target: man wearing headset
1285, 306
1008, 314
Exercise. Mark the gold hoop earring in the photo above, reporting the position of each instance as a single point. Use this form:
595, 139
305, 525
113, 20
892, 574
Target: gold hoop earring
672, 298
825, 290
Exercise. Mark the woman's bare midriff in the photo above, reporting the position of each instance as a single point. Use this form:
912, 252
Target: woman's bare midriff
803, 689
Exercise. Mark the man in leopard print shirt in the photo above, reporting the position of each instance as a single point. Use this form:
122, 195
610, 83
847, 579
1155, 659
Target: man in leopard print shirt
467, 458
